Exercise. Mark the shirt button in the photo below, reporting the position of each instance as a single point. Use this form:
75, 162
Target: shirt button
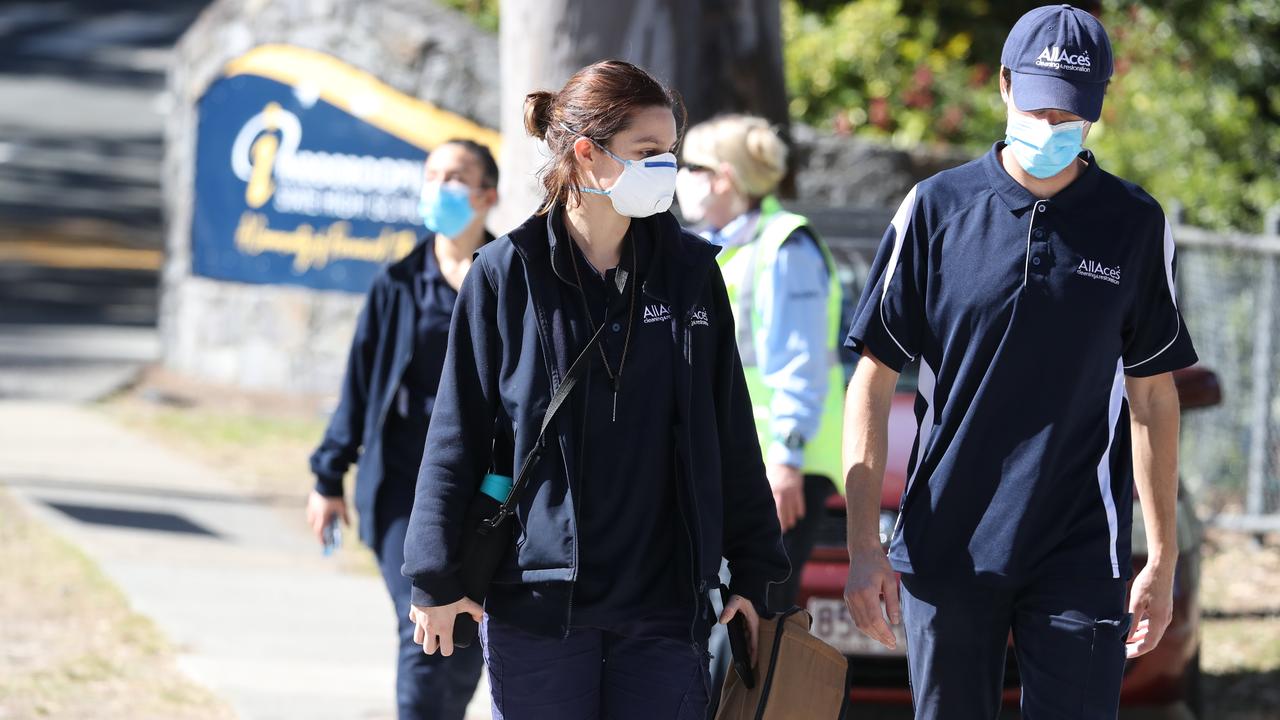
1039, 233
1040, 207
617, 327
1035, 261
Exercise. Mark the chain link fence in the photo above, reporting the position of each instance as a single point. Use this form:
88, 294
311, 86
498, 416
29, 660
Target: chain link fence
1229, 289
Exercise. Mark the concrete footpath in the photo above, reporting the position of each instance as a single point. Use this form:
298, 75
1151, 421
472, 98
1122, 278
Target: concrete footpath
255, 612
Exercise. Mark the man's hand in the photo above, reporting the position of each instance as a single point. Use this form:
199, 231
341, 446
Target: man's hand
321, 508
788, 494
871, 582
738, 604
1151, 602
434, 629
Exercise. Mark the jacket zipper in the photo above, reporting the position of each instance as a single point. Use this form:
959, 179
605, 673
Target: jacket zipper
385, 404
695, 538
577, 496
577, 503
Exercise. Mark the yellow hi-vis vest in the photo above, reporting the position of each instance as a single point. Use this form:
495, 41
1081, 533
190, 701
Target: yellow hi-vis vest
748, 275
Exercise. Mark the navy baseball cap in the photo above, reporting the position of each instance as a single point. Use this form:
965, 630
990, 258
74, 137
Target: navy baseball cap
1060, 58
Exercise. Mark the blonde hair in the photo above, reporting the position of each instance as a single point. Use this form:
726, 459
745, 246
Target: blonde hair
748, 144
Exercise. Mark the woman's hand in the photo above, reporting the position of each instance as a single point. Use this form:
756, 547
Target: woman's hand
321, 508
738, 604
435, 624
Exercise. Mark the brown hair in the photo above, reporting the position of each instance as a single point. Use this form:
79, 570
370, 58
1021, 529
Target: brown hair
598, 103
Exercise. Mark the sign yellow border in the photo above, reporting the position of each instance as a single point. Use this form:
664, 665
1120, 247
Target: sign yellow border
364, 96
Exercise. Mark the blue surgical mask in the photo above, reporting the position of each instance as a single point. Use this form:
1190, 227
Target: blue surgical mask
446, 208
1043, 150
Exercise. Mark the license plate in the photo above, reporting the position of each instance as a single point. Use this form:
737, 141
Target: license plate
833, 625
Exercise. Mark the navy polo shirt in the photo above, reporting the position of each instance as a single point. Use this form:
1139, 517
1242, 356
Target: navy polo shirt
632, 549
1025, 315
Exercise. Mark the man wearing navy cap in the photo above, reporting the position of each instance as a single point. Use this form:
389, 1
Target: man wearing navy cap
1036, 290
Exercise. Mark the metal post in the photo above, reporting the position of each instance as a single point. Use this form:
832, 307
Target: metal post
1263, 376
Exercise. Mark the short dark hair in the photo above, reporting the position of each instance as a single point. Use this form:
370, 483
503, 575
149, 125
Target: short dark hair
488, 165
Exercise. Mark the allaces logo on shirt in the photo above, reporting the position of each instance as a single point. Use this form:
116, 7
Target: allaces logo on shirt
699, 317
661, 312
1097, 271
656, 312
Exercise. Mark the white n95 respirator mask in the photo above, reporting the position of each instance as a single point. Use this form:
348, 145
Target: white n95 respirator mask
645, 187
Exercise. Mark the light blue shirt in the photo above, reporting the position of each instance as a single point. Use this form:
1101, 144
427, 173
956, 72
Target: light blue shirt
794, 357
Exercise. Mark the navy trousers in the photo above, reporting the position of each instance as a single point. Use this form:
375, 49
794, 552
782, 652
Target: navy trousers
1068, 635
593, 673
428, 687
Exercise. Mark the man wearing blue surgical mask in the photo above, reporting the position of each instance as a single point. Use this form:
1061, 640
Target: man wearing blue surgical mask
1037, 292
387, 398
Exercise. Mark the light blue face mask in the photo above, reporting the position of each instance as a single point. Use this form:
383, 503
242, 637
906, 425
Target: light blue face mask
1043, 150
446, 208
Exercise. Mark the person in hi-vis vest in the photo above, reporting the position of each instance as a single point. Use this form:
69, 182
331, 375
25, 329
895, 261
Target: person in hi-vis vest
786, 303
785, 295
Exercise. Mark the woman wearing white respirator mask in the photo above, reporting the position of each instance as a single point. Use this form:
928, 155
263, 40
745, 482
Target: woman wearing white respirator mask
388, 394
650, 473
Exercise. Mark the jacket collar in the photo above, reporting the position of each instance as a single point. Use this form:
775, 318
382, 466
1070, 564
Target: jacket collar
421, 260
676, 251
406, 268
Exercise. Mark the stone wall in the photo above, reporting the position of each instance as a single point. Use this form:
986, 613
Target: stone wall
846, 172
278, 337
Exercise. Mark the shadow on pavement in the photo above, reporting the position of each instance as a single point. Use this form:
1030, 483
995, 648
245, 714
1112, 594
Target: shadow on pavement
130, 518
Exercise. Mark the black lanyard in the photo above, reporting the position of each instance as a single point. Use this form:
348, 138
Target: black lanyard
614, 378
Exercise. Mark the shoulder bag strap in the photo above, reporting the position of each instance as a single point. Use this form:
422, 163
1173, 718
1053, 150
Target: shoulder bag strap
557, 401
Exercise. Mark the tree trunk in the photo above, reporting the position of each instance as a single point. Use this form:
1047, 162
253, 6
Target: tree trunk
721, 55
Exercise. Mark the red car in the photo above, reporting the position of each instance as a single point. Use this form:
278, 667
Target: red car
1166, 677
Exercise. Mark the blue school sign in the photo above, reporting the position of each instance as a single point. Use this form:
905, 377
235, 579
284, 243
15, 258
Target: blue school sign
308, 171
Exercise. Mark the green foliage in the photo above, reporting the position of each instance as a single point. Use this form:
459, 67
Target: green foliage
1192, 114
1194, 110
483, 12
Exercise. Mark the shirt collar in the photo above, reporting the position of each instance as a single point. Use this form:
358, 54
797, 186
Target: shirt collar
739, 231
1018, 198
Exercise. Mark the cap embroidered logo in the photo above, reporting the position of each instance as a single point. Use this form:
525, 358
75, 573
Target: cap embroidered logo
1058, 59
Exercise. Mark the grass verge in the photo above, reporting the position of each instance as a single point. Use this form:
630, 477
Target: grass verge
70, 646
